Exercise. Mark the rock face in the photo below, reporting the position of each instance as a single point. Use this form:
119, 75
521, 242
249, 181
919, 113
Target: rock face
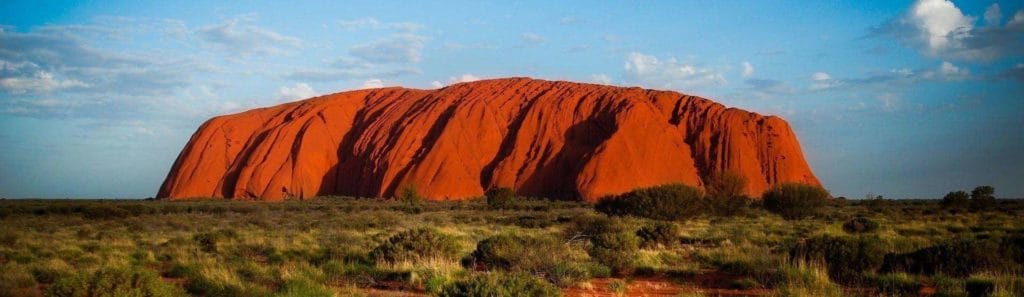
542, 138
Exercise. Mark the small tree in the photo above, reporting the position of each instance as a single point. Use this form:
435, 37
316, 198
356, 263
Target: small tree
795, 200
666, 202
501, 197
726, 193
982, 198
956, 200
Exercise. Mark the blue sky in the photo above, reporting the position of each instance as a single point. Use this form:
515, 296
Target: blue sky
901, 99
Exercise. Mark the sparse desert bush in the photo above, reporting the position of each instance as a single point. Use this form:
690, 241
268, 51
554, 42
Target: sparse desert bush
726, 194
667, 202
497, 284
16, 281
958, 200
795, 200
960, 257
500, 198
895, 284
982, 198
845, 258
415, 245
114, 282
659, 234
979, 287
860, 225
544, 257
304, 287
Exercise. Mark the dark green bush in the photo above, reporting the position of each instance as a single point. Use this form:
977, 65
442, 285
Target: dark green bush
860, 225
956, 200
979, 287
416, 244
726, 194
961, 257
304, 288
846, 258
795, 200
612, 243
666, 202
897, 284
114, 282
497, 284
500, 198
659, 234
544, 257
982, 198
103, 211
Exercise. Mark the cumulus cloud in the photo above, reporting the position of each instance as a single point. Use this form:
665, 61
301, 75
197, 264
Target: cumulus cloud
373, 84
398, 48
463, 78
373, 23
55, 64
939, 28
531, 39
669, 73
298, 91
993, 15
436, 84
238, 36
823, 81
746, 69
601, 79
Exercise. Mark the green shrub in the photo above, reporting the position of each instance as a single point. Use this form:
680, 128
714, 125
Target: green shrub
103, 211
666, 202
726, 193
542, 256
416, 244
979, 287
846, 258
114, 282
860, 225
960, 257
500, 198
659, 234
982, 198
795, 200
896, 284
744, 284
303, 287
497, 284
956, 200
617, 250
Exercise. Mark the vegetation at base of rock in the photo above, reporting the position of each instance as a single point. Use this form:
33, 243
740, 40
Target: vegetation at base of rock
666, 202
795, 201
338, 246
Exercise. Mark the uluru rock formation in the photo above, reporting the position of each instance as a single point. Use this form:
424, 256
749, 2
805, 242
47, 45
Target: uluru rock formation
541, 138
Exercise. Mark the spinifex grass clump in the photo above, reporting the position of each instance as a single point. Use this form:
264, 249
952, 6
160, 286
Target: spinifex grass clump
415, 245
668, 202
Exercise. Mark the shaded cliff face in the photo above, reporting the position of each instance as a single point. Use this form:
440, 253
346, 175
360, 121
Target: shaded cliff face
542, 138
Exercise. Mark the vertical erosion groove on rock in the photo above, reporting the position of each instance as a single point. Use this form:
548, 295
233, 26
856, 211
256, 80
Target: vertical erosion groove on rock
541, 138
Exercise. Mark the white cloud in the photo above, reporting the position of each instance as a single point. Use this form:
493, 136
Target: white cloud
299, 91
747, 69
236, 36
941, 23
888, 101
398, 48
373, 23
652, 72
601, 79
436, 84
531, 38
463, 78
939, 28
373, 84
39, 82
947, 69
993, 15
823, 81
568, 20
